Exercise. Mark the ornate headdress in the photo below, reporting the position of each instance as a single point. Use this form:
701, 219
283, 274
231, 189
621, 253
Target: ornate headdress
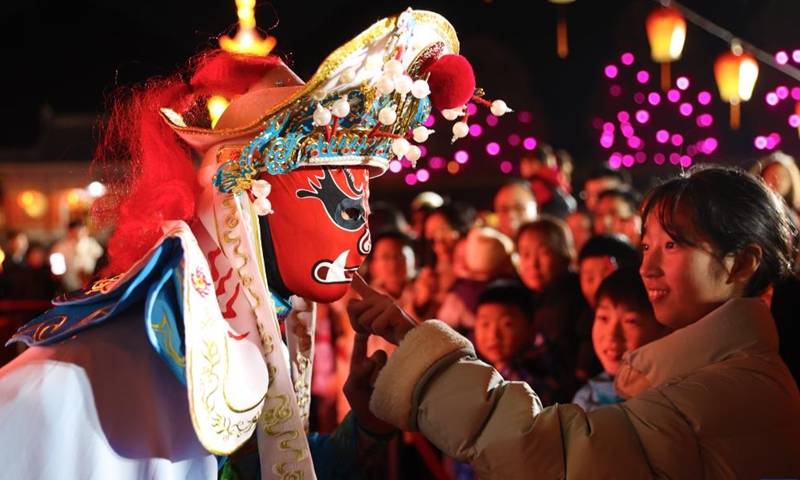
366, 102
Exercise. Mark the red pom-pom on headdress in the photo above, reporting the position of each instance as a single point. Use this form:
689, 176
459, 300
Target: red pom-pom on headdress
452, 81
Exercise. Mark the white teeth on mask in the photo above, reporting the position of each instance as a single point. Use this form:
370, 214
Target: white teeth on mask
335, 271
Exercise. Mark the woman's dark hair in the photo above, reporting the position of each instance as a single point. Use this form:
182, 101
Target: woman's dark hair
730, 209
509, 292
625, 287
556, 233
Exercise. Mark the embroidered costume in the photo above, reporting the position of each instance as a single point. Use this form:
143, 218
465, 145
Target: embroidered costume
174, 364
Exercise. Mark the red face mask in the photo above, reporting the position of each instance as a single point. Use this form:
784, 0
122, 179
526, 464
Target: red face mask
317, 236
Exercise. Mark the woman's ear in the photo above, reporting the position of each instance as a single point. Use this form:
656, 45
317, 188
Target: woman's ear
745, 263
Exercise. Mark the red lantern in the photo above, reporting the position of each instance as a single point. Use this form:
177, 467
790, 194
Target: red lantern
736, 72
666, 32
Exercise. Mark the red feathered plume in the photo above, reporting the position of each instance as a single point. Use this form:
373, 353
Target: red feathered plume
159, 181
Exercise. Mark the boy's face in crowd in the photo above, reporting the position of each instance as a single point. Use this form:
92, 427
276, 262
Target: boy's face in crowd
592, 189
592, 271
539, 263
619, 328
501, 331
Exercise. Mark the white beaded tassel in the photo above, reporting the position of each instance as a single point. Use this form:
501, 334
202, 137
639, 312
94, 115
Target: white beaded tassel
261, 190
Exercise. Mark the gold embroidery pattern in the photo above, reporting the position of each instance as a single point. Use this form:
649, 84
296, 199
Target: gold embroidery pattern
163, 330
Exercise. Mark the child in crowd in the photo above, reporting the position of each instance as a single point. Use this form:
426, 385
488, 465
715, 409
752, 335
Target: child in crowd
503, 329
623, 322
599, 257
712, 399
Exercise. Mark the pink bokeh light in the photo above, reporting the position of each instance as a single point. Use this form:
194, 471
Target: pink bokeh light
781, 57
704, 98
628, 160
638, 98
771, 99
475, 130
437, 163
795, 93
626, 58
525, 117
686, 109
472, 109
492, 120
423, 175
506, 166
493, 148
395, 166
676, 139
615, 90
659, 158
626, 129
705, 120
794, 120
529, 143
642, 76
635, 142
641, 157
615, 160
606, 140
642, 116
608, 127
673, 95
411, 179
611, 71
654, 98
514, 139
760, 142
430, 121
461, 156
682, 83
686, 161
623, 116
662, 136
782, 92
796, 56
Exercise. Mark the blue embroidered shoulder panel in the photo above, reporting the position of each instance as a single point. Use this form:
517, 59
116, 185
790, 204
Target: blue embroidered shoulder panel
80, 310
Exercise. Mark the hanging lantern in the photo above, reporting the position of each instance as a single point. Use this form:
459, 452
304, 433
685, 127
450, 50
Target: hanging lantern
562, 43
736, 72
666, 32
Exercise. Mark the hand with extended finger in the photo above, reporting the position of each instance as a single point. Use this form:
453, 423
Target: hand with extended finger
377, 314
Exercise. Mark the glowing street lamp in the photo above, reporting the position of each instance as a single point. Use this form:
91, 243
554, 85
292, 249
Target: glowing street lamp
666, 32
736, 72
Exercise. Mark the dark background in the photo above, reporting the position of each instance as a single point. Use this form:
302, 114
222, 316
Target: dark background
66, 56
